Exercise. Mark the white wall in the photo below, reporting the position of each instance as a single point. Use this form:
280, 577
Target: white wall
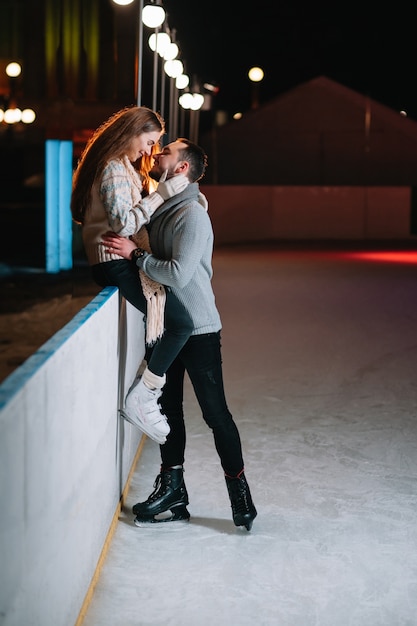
65, 458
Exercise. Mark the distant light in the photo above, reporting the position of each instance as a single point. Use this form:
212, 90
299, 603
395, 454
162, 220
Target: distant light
28, 116
13, 69
159, 42
255, 74
173, 68
193, 101
186, 100
198, 101
182, 81
153, 15
403, 113
12, 116
171, 52
237, 116
1, 115
221, 118
211, 87
384, 256
122, 2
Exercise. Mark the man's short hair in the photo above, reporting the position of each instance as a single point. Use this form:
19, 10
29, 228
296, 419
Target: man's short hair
196, 157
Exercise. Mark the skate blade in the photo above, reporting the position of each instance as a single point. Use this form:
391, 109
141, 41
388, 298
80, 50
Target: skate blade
167, 516
161, 440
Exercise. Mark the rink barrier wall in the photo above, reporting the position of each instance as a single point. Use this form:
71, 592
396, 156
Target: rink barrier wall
250, 213
66, 459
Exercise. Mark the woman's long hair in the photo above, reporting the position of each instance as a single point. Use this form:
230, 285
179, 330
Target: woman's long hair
111, 141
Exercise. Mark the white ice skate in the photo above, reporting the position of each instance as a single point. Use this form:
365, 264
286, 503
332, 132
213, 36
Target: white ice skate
143, 411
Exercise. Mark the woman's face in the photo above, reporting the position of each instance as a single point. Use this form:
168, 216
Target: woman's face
142, 144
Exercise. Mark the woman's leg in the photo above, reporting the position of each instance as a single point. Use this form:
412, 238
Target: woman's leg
178, 328
178, 324
125, 276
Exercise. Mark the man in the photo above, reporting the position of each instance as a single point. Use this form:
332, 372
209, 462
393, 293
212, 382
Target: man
181, 239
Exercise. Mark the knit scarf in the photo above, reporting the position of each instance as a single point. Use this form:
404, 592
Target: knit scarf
154, 293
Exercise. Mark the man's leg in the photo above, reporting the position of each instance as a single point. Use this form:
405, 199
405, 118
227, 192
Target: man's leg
202, 359
203, 362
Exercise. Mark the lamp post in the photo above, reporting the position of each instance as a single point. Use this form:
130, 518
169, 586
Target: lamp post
173, 69
139, 47
153, 16
192, 101
255, 74
158, 42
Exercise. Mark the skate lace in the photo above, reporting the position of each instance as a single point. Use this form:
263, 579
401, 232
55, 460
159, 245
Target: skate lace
158, 489
242, 504
240, 501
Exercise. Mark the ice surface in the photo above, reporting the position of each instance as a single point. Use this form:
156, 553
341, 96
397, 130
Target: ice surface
320, 358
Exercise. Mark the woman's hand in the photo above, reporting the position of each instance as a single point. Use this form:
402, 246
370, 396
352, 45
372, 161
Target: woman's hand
115, 244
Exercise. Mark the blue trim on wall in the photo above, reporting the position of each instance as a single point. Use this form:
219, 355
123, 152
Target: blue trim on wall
17, 379
58, 219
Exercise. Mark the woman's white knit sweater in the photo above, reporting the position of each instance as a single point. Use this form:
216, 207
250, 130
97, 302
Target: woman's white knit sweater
117, 205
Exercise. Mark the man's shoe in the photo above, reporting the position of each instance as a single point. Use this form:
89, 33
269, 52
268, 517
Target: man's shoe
169, 495
143, 411
243, 509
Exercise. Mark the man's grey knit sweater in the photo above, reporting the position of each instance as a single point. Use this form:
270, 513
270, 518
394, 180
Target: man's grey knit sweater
181, 239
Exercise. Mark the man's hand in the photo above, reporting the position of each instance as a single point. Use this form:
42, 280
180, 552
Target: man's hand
116, 244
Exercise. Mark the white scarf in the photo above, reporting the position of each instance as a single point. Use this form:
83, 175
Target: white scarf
154, 293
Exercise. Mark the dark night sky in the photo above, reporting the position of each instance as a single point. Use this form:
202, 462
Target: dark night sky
366, 48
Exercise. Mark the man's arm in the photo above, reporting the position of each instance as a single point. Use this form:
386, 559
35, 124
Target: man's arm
122, 246
116, 195
190, 235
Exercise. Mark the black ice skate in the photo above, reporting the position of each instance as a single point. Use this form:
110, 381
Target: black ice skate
243, 509
167, 503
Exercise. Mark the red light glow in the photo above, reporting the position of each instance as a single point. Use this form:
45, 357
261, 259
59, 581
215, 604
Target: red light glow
385, 256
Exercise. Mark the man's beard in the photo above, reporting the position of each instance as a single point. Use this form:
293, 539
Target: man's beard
155, 175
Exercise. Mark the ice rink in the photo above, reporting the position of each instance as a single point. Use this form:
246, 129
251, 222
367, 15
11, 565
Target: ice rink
320, 368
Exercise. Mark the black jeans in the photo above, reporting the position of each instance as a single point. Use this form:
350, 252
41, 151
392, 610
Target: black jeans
178, 324
201, 358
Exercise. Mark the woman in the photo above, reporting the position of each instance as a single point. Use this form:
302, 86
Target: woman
112, 191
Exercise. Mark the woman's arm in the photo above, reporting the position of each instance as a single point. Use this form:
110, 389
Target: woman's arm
116, 189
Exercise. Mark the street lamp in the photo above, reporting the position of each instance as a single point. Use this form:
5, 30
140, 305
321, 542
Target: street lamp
153, 16
173, 69
159, 42
255, 74
193, 102
12, 114
13, 69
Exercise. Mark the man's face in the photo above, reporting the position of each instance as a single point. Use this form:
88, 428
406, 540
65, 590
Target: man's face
167, 160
